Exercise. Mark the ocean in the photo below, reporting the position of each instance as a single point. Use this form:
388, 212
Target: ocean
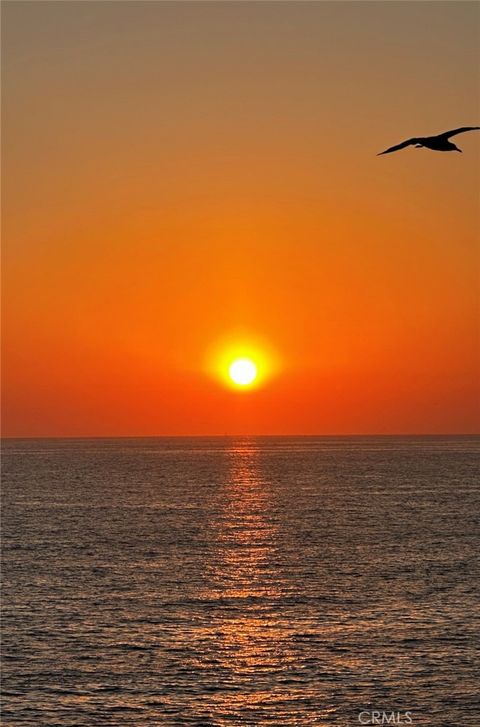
241, 581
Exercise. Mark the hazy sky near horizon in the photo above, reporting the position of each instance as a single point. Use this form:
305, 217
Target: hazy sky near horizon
179, 172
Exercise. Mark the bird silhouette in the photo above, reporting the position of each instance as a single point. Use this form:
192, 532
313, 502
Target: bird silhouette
440, 142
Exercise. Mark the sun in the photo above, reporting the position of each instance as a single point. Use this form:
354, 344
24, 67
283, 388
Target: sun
241, 361
242, 371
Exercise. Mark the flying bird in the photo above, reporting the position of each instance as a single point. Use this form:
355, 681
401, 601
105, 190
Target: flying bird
437, 143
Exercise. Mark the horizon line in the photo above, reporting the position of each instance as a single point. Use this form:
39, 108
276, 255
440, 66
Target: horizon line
229, 436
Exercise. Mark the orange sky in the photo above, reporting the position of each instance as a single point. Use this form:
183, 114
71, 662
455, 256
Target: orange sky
178, 173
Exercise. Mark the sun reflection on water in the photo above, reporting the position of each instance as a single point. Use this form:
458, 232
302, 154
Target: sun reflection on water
252, 638
245, 530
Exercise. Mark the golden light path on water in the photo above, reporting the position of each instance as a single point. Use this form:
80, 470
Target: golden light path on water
255, 643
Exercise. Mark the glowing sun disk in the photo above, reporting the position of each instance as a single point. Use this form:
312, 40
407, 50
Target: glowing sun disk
243, 371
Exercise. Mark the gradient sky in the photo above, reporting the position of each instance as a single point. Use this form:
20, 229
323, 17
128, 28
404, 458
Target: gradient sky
178, 173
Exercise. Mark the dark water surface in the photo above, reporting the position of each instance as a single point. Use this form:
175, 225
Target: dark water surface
247, 581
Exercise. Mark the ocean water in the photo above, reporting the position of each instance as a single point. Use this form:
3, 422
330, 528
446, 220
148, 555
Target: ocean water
241, 581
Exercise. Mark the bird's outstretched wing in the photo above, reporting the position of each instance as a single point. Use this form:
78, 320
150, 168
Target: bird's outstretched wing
448, 134
399, 146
